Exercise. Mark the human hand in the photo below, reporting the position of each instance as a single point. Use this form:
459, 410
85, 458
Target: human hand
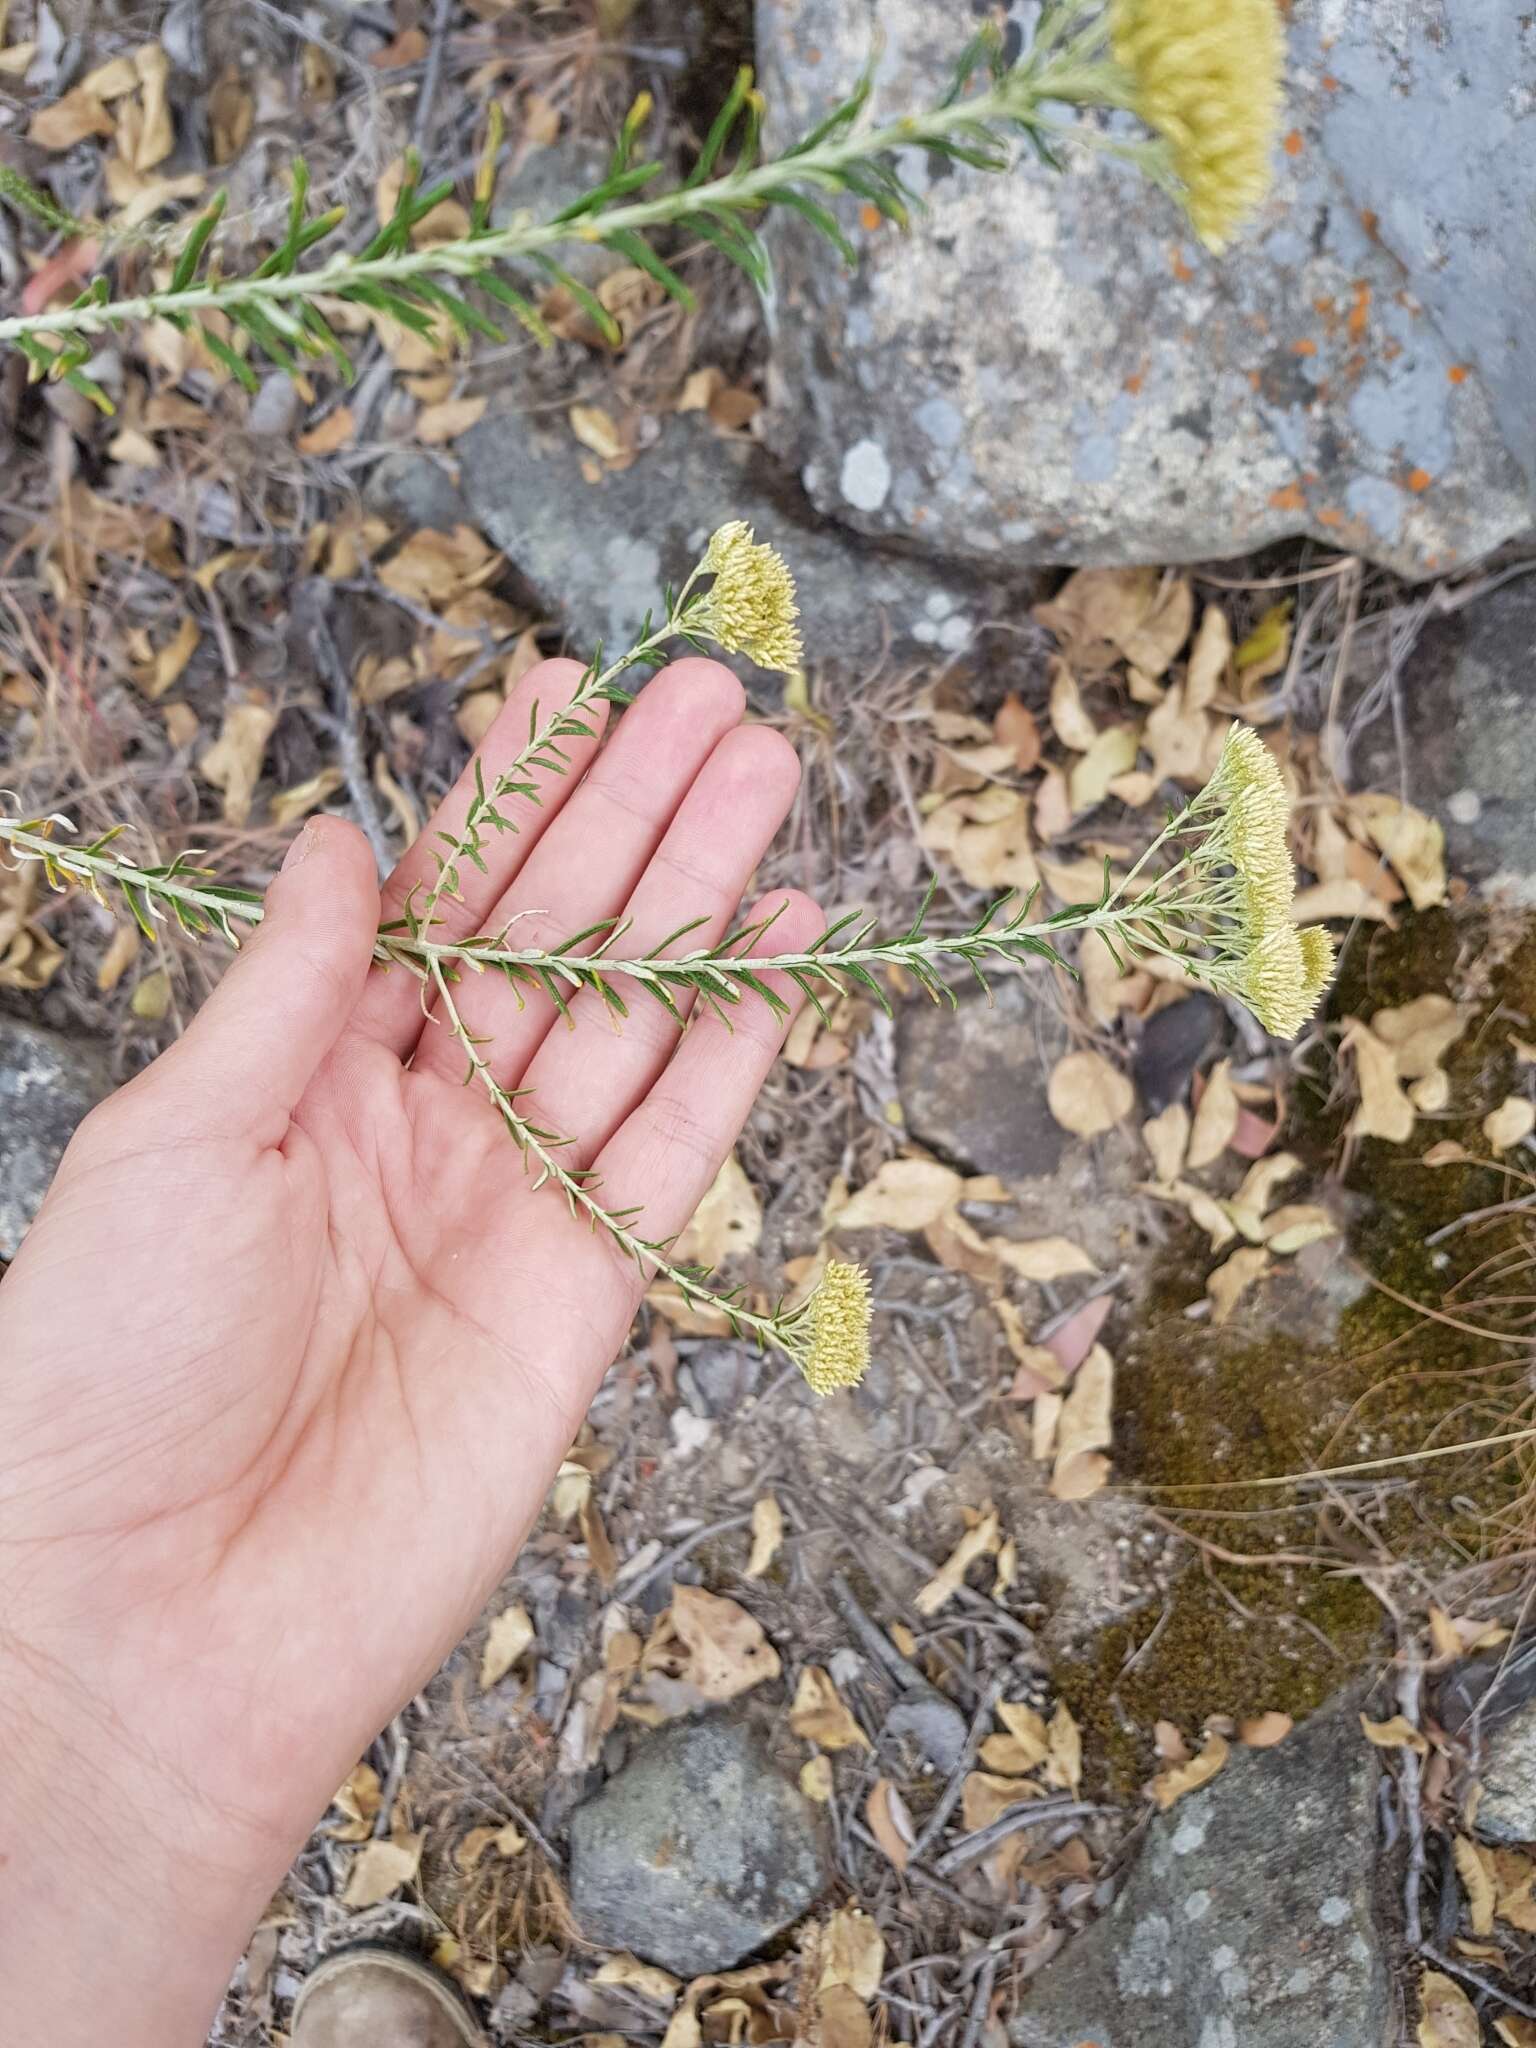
291, 1356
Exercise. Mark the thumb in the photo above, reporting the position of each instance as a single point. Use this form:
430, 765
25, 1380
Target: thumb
286, 999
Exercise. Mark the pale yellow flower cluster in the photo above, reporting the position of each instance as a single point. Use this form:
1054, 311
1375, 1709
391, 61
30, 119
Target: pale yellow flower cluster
751, 608
1278, 971
1205, 74
836, 1323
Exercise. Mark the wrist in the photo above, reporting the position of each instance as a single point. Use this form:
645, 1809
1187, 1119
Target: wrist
121, 1891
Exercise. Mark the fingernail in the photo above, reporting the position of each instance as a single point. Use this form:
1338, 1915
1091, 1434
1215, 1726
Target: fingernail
299, 849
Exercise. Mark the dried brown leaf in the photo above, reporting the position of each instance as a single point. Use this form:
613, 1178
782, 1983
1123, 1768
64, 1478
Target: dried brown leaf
1396, 1733
1447, 2017
982, 1539
233, 763
1215, 1122
728, 1652
1084, 1427
767, 1535
1166, 1137
1385, 1111
379, 1869
1414, 844
510, 1636
1228, 1284
1510, 1124
1174, 1784
820, 1715
890, 1823
1042, 1258
906, 1194
728, 1221
1264, 1731
1087, 1095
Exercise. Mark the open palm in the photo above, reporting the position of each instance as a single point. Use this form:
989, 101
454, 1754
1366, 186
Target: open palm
293, 1352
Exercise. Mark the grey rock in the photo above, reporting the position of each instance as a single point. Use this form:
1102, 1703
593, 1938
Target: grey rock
1468, 756
1170, 1048
1507, 1809
1051, 369
1247, 1922
972, 1082
601, 552
724, 1375
933, 1723
47, 1085
413, 491
697, 1852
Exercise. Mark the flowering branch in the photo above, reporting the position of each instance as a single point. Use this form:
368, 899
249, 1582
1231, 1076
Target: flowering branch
1201, 74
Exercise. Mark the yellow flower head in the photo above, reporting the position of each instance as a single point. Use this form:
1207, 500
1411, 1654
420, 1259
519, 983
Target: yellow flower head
1272, 980
837, 1322
1316, 960
751, 610
1206, 75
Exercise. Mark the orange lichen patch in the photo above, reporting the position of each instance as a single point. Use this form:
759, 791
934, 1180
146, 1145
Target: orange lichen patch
1370, 221
1288, 499
1360, 311
1323, 305
1178, 266
1330, 83
1458, 373
1419, 479
1256, 379
1330, 517
1303, 348
1134, 382
1293, 144
870, 217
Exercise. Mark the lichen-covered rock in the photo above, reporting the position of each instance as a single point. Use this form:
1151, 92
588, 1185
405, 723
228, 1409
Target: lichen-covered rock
1051, 369
697, 1852
600, 548
47, 1085
1468, 752
1247, 1922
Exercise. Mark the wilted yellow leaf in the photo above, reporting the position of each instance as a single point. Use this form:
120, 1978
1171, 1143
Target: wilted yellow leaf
1064, 1765
1216, 1114
1172, 1785
1072, 725
509, 1637
906, 1194
595, 429
337, 430
1228, 1284
985, 1798
166, 665
889, 1822
1396, 1733
1477, 1882
450, 417
118, 958
728, 1220
359, 1799
816, 1779
1420, 1033
1166, 1137
506, 1841
652, 1982
982, 1539
1084, 1428
1264, 1730
1299, 1224
852, 1953
1209, 659
1385, 1111
1024, 1747
1510, 1124
233, 763
289, 805
820, 1715
728, 1652
1087, 1095
985, 832
380, 1869
767, 1535
1112, 754
1447, 2017
69, 120
1042, 1258
1340, 901
1414, 844
151, 1000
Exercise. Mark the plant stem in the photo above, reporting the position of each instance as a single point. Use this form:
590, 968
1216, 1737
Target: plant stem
1072, 77
539, 1148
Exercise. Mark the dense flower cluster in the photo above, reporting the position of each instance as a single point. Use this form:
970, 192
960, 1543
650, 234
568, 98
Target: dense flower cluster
1205, 74
834, 1352
751, 607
